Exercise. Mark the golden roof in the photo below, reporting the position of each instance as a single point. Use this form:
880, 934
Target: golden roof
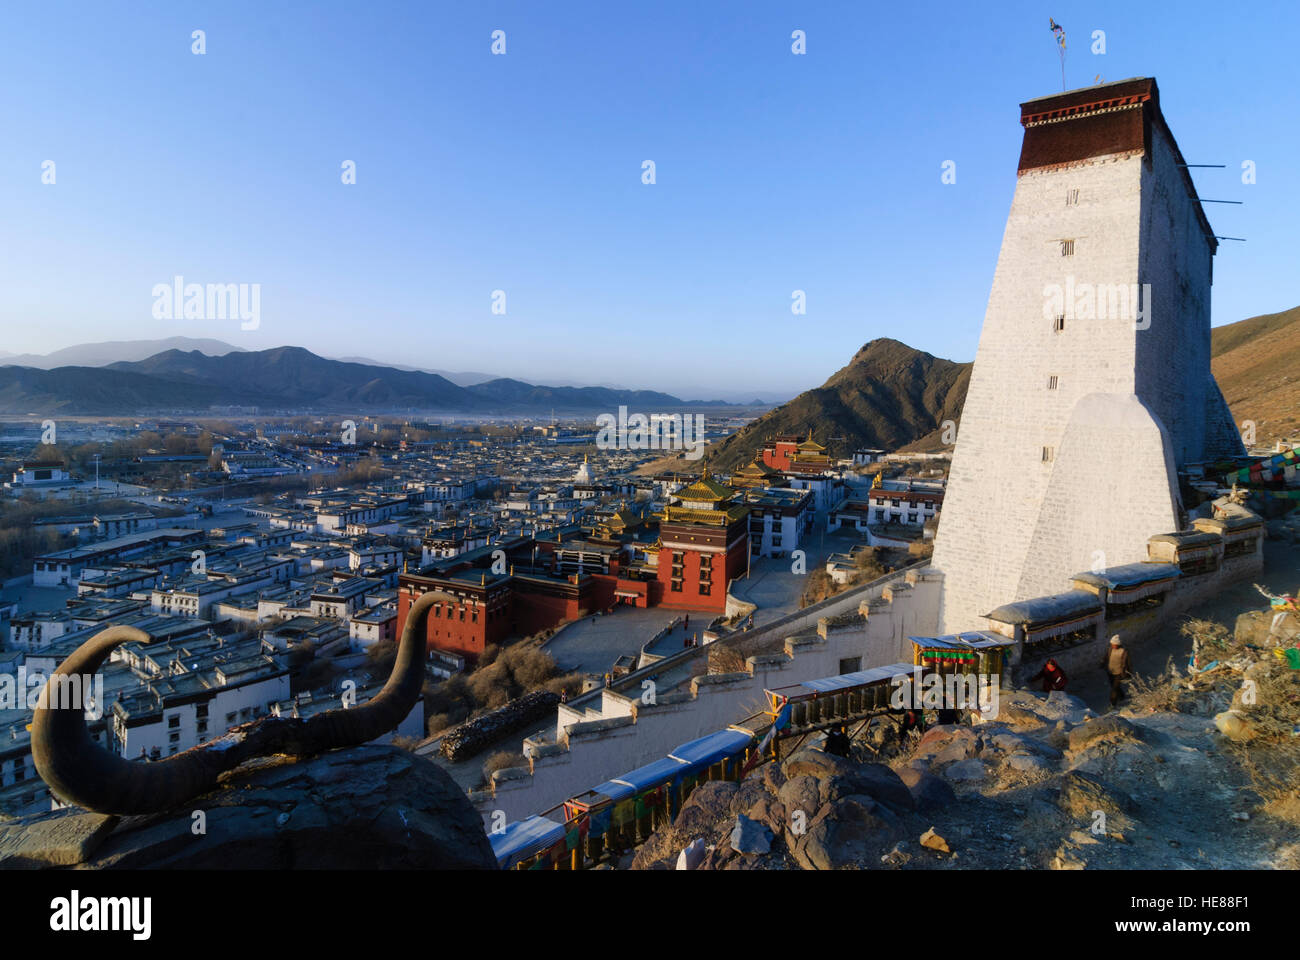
621, 520
717, 518
756, 468
706, 488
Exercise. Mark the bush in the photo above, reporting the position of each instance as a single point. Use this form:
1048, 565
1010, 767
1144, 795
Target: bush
501, 760
570, 683
529, 667
818, 588
509, 674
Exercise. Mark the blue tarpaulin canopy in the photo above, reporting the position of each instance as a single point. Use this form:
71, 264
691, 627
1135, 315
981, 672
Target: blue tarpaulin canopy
707, 751
652, 774
1129, 575
614, 790
523, 839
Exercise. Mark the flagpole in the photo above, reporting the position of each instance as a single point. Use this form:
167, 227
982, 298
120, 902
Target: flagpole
1058, 32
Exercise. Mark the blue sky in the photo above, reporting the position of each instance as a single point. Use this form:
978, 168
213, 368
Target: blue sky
522, 173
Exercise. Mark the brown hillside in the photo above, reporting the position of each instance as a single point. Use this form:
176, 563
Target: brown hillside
1257, 365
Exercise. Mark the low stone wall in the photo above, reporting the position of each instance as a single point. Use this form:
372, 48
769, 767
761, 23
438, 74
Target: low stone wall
769, 637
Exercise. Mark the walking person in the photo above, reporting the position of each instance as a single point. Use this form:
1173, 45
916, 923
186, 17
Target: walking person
1116, 662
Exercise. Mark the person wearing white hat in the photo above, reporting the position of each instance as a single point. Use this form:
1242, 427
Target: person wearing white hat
1116, 662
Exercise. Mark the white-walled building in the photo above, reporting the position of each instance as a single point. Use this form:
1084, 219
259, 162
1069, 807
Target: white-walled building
909, 507
778, 520
35, 474
373, 625
175, 713
1091, 385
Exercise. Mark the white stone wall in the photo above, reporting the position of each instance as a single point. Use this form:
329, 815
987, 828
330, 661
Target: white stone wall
1111, 488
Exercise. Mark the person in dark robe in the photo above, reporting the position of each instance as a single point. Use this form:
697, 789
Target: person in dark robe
1052, 676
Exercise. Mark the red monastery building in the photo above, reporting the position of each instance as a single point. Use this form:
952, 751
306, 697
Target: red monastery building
477, 607
778, 451
703, 546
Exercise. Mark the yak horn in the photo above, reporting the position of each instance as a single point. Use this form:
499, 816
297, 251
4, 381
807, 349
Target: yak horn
80, 772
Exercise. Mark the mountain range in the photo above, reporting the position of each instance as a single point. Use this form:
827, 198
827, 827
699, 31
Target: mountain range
888, 396
103, 353
288, 379
106, 352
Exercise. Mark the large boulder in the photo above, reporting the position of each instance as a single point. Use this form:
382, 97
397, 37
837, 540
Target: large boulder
947, 736
706, 814
811, 762
847, 833
966, 771
1028, 763
801, 793
1110, 728
882, 784
368, 807
1015, 743
839, 776
1019, 707
927, 790
1083, 794
708, 804
750, 836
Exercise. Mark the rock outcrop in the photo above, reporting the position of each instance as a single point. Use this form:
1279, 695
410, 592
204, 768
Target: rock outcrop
367, 807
